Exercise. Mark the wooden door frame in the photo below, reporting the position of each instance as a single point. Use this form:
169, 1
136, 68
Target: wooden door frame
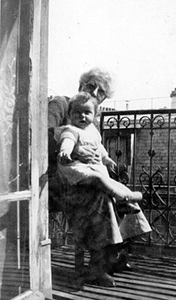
40, 259
31, 93
39, 242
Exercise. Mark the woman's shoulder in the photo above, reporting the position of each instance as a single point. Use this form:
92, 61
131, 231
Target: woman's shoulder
57, 111
59, 100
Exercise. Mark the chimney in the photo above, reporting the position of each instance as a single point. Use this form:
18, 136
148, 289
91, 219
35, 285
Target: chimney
173, 97
127, 104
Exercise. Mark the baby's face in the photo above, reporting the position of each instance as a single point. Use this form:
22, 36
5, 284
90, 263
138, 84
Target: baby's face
81, 115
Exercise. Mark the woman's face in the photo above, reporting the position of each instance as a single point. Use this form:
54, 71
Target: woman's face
95, 89
81, 115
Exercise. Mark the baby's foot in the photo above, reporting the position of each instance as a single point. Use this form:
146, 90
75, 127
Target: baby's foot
135, 197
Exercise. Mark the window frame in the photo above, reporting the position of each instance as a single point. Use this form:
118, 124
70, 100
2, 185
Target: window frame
34, 102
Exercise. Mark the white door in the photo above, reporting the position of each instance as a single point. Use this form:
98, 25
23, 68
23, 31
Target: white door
25, 266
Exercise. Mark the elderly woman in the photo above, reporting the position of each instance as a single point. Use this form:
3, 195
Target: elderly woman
94, 221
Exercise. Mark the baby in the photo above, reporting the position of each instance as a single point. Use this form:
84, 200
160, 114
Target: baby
82, 111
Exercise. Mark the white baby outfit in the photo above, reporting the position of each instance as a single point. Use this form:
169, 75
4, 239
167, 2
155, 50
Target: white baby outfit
77, 171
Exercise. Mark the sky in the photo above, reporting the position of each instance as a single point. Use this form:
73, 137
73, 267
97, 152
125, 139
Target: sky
133, 39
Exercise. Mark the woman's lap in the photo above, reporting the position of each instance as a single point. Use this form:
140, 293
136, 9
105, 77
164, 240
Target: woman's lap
92, 217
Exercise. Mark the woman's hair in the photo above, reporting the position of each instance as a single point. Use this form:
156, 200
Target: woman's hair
81, 98
100, 77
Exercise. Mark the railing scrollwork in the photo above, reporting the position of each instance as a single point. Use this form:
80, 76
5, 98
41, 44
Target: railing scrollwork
113, 122
146, 140
151, 184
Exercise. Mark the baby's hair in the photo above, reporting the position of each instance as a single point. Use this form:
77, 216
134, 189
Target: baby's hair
81, 98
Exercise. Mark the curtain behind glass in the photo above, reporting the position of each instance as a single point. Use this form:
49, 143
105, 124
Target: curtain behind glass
8, 85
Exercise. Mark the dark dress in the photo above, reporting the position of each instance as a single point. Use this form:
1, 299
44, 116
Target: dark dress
92, 216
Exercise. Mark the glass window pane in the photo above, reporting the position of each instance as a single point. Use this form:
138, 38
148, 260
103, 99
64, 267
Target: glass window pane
14, 246
14, 124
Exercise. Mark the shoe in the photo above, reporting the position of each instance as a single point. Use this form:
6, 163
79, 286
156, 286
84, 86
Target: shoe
123, 266
103, 279
128, 209
136, 197
97, 271
128, 267
120, 264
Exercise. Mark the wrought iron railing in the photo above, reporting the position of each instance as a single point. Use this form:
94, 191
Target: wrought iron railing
143, 144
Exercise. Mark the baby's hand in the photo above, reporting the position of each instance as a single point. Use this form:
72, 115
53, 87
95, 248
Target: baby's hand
110, 164
64, 157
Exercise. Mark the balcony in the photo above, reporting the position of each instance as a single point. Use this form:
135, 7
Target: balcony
143, 144
152, 278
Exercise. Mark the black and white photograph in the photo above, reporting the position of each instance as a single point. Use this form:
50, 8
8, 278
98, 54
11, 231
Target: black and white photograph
87, 149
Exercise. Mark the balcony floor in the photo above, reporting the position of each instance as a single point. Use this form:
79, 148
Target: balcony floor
153, 279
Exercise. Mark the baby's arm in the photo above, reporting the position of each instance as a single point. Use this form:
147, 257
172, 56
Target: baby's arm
66, 149
67, 139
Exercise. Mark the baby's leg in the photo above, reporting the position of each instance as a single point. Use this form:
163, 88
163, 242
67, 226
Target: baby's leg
115, 189
121, 192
